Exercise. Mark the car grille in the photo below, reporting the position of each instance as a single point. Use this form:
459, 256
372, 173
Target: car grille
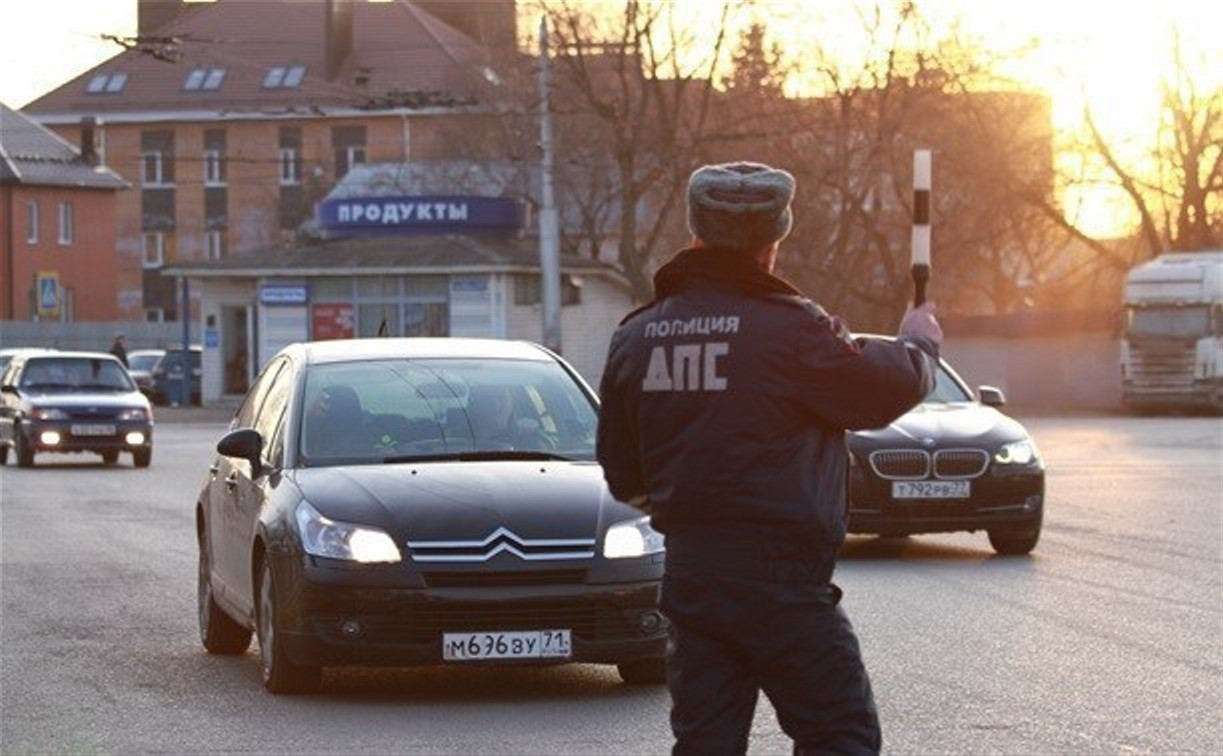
489, 579
92, 415
960, 463
915, 464
900, 464
425, 624
499, 541
1155, 367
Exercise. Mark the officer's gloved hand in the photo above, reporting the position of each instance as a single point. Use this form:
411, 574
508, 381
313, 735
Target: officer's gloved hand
919, 324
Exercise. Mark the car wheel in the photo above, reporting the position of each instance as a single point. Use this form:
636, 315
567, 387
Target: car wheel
643, 671
25, 455
280, 674
219, 632
142, 457
109, 457
3, 454
1014, 542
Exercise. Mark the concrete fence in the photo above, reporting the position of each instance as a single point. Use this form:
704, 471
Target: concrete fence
92, 336
1074, 371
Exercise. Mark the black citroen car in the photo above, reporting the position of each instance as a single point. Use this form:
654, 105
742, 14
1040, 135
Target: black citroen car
422, 501
952, 463
72, 402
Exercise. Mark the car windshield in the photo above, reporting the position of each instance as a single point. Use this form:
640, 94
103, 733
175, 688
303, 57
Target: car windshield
946, 389
1172, 322
75, 374
144, 362
443, 409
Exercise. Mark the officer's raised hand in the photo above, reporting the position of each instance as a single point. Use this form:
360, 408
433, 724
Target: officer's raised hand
919, 325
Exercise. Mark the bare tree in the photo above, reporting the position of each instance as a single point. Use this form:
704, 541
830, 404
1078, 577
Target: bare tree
632, 112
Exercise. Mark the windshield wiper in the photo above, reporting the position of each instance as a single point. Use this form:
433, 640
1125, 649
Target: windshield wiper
46, 385
480, 456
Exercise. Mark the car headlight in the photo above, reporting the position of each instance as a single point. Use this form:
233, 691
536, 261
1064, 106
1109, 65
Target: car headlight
1016, 453
632, 538
47, 413
339, 540
133, 414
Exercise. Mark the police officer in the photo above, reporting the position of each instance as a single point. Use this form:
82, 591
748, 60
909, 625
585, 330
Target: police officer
725, 403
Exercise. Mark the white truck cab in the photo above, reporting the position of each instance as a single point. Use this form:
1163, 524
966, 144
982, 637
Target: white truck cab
1172, 344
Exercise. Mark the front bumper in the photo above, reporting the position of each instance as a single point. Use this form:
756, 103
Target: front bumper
1000, 500
33, 432
403, 626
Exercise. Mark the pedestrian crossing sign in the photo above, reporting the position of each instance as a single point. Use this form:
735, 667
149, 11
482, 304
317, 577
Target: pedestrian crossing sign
47, 293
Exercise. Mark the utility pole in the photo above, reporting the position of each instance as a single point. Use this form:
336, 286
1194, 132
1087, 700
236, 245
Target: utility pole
549, 224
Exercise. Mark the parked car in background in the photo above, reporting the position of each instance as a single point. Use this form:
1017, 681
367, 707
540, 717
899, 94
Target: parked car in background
140, 366
8, 354
952, 463
422, 501
167, 378
72, 402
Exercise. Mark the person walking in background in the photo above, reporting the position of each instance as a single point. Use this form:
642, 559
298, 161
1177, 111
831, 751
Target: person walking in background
724, 407
118, 349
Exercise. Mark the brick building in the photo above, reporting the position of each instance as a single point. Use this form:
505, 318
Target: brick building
57, 225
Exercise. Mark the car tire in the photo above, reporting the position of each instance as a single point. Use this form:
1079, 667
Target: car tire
3, 454
280, 674
1014, 542
109, 457
219, 632
25, 455
643, 671
142, 457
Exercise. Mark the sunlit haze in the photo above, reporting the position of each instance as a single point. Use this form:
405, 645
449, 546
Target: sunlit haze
1106, 55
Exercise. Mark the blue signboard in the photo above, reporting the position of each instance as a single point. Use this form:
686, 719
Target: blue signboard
366, 216
282, 294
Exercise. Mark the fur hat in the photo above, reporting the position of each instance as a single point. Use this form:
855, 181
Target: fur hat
740, 205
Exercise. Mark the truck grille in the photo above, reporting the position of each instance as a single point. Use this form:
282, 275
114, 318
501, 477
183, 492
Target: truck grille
1166, 367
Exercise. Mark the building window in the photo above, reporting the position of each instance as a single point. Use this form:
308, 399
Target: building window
293, 78
214, 244
107, 83
31, 222
347, 158
284, 77
154, 252
527, 291
214, 168
153, 170
204, 78
290, 167
154, 315
65, 223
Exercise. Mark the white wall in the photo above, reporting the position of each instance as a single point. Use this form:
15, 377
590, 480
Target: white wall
1077, 370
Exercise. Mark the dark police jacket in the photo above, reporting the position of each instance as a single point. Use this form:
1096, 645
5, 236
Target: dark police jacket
726, 400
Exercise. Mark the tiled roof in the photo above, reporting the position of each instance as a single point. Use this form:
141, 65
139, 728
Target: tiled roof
407, 57
398, 254
33, 155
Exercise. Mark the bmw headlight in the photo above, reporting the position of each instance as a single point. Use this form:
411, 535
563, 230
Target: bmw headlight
632, 538
340, 540
133, 414
48, 413
1016, 453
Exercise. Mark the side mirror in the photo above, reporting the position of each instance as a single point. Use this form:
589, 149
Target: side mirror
9, 388
243, 443
991, 397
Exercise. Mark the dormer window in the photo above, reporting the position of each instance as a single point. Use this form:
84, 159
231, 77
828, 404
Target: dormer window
106, 83
204, 78
284, 77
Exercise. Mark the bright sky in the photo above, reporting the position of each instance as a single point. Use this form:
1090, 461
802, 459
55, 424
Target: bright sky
1107, 53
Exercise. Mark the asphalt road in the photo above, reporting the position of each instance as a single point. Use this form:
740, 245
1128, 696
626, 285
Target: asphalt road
1108, 639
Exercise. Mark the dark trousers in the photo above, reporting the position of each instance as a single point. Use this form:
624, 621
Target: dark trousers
777, 630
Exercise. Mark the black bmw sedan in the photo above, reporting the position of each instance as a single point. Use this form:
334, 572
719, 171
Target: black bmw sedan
422, 501
950, 464
72, 402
